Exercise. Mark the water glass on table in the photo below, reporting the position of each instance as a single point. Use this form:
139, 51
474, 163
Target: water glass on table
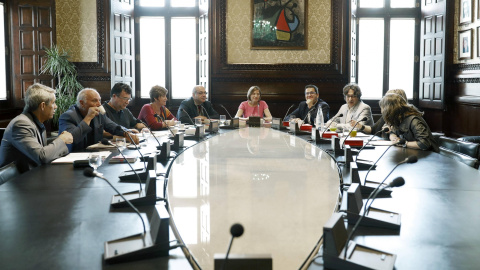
223, 118
121, 143
95, 160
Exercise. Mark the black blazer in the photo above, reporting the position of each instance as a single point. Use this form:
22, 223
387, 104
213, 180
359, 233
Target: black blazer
302, 110
189, 106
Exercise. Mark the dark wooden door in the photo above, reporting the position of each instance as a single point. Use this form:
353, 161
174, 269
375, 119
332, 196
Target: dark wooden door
203, 42
122, 42
353, 41
33, 29
432, 54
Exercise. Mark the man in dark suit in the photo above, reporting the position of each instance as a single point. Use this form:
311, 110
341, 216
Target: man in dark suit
25, 139
86, 121
196, 107
307, 110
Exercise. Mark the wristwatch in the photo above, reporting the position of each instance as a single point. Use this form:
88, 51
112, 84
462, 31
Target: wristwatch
405, 145
362, 128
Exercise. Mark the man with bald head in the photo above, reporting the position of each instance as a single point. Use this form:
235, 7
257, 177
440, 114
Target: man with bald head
25, 140
196, 107
86, 121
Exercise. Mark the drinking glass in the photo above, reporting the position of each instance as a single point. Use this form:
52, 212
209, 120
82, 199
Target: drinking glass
95, 160
121, 143
353, 133
146, 134
223, 118
198, 121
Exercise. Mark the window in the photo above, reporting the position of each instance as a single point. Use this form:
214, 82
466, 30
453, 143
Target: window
3, 66
167, 45
387, 37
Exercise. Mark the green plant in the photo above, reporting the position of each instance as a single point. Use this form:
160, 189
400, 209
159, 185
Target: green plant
58, 65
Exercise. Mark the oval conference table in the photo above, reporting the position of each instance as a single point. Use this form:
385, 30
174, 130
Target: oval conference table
280, 187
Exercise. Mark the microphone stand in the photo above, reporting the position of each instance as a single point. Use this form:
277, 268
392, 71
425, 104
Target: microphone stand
211, 127
369, 140
140, 152
106, 142
226, 111
288, 111
150, 132
193, 122
331, 122
343, 144
90, 173
350, 235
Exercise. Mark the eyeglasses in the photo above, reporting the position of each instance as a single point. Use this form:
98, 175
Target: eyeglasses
350, 96
126, 99
310, 93
202, 93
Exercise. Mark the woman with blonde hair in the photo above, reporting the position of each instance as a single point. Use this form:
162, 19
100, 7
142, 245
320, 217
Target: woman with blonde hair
406, 122
254, 106
158, 101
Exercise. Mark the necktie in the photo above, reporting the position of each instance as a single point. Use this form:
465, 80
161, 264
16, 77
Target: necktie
199, 107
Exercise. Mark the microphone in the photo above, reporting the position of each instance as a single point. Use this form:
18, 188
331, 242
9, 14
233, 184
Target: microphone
226, 111
331, 122
402, 141
397, 182
288, 110
363, 119
193, 122
106, 142
386, 129
410, 159
308, 113
153, 135
89, 172
163, 120
236, 231
140, 152
205, 110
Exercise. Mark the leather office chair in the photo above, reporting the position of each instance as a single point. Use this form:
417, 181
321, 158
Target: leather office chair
472, 162
464, 147
437, 135
8, 172
473, 139
2, 131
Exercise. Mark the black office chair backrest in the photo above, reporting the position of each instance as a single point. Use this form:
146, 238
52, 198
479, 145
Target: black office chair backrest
8, 172
467, 148
472, 162
2, 131
473, 139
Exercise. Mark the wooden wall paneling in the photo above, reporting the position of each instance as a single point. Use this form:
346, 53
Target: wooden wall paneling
281, 84
33, 29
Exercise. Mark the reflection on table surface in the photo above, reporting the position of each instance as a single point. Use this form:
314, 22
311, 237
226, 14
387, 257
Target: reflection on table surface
279, 187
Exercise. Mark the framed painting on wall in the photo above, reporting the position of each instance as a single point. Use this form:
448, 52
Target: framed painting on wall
279, 24
465, 44
466, 11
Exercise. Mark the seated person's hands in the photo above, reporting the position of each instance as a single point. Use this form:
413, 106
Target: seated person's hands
133, 131
66, 137
134, 138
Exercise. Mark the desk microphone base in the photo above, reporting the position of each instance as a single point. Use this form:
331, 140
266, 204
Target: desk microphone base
243, 261
129, 176
357, 257
154, 243
148, 196
377, 218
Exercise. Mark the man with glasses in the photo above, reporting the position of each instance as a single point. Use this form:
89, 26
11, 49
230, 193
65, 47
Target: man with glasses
307, 110
116, 108
354, 109
196, 107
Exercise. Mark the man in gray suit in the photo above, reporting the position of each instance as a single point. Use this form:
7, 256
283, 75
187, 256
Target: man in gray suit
25, 139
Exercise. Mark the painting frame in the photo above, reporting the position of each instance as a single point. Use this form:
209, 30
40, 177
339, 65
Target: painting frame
465, 11
279, 25
465, 44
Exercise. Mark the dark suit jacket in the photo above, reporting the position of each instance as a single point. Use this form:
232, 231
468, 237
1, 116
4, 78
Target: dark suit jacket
189, 106
26, 144
72, 121
302, 110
